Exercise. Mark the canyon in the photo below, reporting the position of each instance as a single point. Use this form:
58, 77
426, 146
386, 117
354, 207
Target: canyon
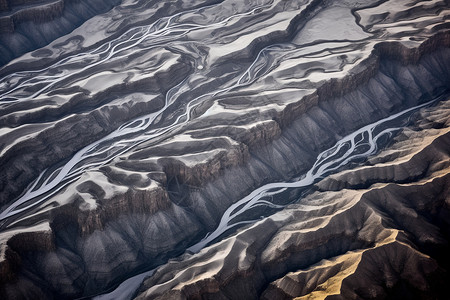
225, 150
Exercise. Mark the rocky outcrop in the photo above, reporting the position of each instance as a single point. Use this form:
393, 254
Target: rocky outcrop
98, 215
36, 14
64, 132
385, 240
150, 135
28, 25
92, 247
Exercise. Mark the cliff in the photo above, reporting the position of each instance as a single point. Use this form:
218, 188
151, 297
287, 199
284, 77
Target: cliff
386, 239
134, 143
29, 25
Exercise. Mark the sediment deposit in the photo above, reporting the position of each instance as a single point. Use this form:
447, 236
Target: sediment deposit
226, 149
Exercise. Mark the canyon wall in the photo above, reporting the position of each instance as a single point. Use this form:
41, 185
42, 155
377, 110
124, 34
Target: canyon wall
122, 150
29, 25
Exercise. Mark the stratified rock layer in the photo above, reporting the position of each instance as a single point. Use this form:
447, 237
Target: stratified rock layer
147, 123
389, 239
29, 25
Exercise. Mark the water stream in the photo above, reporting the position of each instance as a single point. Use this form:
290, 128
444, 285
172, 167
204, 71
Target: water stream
361, 143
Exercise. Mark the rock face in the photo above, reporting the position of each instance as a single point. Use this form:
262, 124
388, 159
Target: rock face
389, 239
257, 125
30, 24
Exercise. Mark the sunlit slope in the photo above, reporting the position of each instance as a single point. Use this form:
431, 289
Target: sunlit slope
254, 127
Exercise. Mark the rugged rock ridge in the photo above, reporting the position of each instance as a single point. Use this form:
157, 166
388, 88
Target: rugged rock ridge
28, 25
92, 24
90, 213
106, 119
386, 240
60, 112
37, 14
261, 119
76, 129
